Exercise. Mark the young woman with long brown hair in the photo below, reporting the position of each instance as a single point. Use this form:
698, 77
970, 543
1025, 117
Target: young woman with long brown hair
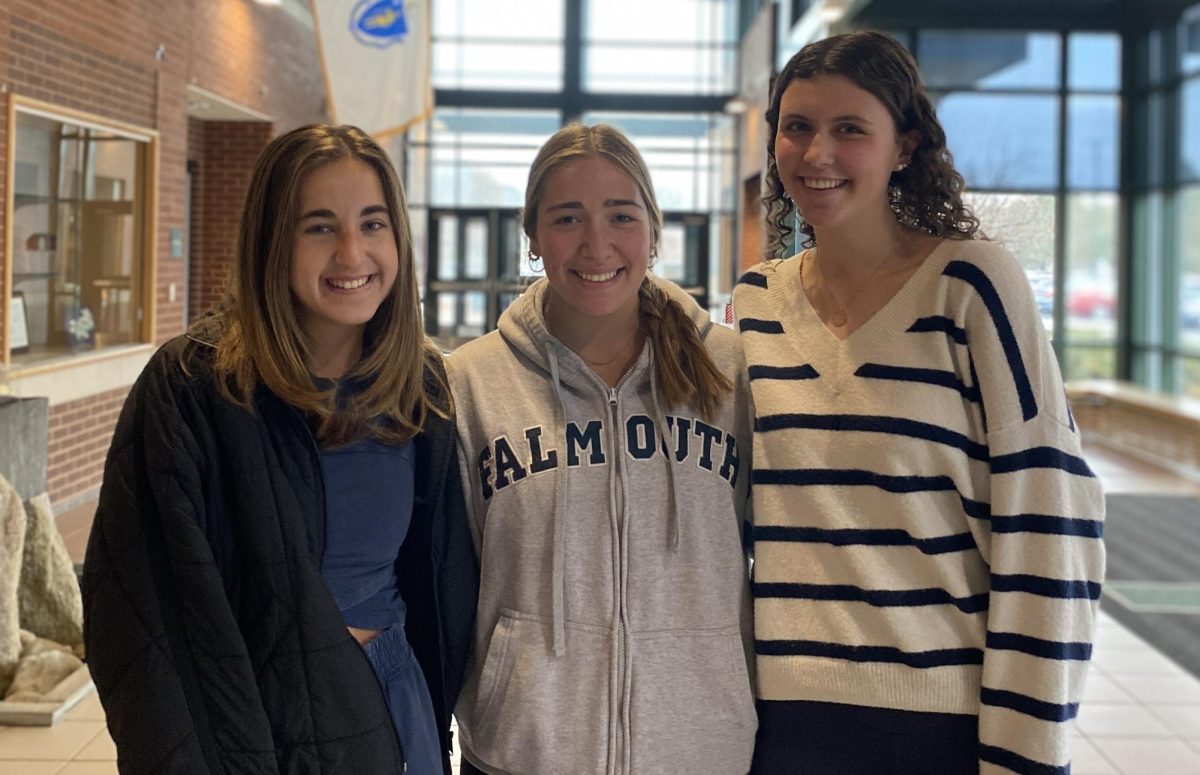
279, 577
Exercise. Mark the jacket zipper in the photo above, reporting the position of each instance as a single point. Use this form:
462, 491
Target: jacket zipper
622, 624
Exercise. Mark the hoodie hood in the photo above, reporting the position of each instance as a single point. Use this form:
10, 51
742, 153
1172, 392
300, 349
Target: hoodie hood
523, 326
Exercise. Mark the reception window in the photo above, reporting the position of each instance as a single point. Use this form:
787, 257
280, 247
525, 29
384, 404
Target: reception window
78, 237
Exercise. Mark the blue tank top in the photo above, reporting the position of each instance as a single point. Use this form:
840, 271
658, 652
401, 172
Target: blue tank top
368, 508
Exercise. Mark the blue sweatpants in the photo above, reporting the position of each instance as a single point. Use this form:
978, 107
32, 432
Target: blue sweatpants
407, 698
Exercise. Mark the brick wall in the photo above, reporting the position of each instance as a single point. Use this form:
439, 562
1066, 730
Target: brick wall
100, 58
80, 432
224, 157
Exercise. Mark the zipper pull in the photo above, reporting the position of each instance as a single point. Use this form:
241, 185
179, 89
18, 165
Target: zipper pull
612, 396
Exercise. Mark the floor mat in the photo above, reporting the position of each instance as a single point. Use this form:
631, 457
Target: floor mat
1153, 544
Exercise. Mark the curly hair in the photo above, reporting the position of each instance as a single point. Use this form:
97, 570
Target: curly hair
927, 194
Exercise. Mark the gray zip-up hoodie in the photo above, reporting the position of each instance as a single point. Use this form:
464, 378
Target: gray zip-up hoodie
613, 626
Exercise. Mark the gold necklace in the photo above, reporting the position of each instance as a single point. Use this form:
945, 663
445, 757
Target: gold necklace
839, 318
616, 355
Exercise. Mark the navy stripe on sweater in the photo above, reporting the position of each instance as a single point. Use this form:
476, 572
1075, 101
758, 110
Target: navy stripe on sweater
1003, 757
918, 659
1046, 711
977, 279
1046, 649
938, 324
783, 372
879, 598
975, 382
757, 279
1041, 457
938, 377
1033, 523
1064, 589
853, 477
761, 326
1048, 525
862, 537
896, 426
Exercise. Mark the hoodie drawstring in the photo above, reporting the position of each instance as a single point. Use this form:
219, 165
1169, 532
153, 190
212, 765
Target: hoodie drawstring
562, 485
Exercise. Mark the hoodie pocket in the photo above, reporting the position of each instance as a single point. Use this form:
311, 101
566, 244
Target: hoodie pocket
537, 713
691, 703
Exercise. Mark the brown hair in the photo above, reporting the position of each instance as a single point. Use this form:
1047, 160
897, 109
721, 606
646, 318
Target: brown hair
927, 194
685, 370
260, 338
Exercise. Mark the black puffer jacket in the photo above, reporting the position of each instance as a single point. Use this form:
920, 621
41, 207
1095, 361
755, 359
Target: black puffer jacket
213, 641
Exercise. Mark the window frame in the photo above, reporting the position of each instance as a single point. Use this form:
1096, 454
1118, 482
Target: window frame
145, 330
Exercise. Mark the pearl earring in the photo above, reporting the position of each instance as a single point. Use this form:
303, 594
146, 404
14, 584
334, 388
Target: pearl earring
899, 167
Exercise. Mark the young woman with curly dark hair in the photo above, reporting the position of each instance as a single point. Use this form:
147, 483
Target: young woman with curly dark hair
927, 537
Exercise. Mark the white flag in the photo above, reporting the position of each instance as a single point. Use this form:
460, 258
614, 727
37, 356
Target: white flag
375, 55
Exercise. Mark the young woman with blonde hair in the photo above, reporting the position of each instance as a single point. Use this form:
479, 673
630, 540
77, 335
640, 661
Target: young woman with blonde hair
279, 577
604, 433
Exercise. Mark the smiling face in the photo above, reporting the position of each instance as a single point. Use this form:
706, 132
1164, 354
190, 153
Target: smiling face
835, 149
344, 256
594, 235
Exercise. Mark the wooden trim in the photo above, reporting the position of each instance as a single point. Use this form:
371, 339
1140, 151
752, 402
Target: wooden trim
65, 362
1128, 395
90, 120
149, 323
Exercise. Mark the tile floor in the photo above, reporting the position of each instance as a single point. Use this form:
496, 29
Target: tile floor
1140, 715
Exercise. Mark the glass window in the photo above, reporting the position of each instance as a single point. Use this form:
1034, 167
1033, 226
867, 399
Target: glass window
678, 21
1189, 377
478, 157
78, 248
460, 315
1189, 130
687, 155
1094, 61
675, 47
1023, 223
675, 69
989, 60
524, 19
522, 66
1090, 304
474, 47
1002, 141
1189, 280
1093, 126
1189, 41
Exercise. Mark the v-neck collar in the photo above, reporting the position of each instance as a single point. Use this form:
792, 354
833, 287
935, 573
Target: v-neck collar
797, 313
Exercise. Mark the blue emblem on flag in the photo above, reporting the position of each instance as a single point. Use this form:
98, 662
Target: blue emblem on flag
379, 23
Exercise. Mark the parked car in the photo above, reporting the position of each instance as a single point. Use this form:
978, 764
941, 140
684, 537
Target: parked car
1042, 284
1091, 301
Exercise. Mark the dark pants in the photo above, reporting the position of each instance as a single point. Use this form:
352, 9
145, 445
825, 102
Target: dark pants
466, 768
824, 738
407, 699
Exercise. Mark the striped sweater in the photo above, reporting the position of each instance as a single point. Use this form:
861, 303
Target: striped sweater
927, 536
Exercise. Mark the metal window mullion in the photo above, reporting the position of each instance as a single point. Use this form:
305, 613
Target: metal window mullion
1061, 340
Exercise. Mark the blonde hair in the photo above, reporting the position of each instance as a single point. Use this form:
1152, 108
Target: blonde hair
260, 338
685, 371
